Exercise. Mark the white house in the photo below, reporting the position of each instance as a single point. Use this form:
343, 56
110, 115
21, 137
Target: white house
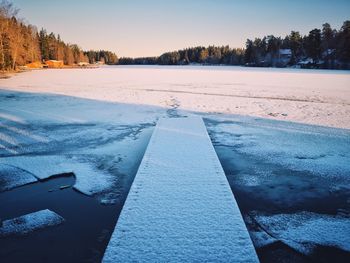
284, 56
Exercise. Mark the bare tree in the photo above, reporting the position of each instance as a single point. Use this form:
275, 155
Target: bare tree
7, 11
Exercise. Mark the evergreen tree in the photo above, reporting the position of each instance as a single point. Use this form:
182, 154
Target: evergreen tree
44, 45
327, 37
313, 44
343, 43
249, 52
295, 44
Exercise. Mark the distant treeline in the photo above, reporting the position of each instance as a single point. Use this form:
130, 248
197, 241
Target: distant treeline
104, 56
21, 44
203, 55
321, 48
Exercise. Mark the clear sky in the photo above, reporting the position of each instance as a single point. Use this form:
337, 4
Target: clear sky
151, 27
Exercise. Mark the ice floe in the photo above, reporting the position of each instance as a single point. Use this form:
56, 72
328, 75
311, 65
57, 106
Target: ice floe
11, 177
30, 222
305, 230
261, 238
89, 180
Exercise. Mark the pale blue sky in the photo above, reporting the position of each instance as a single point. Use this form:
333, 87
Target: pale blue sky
151, 27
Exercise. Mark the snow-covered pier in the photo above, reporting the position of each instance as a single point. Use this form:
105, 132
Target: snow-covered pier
180, 207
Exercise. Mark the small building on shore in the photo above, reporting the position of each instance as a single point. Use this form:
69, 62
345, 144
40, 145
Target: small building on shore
34, 65
281, 58
83, 64
53, 63
284, 56
285, 53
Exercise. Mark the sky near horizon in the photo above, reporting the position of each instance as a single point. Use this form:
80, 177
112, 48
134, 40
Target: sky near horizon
151, 27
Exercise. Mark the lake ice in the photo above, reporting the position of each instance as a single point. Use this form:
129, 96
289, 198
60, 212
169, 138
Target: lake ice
100, 124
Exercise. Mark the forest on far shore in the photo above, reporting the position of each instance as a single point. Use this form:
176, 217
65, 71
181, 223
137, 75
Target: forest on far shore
22, 44
321, 48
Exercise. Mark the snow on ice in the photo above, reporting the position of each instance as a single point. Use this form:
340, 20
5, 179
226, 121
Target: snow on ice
28, 223
11, 177
309, 96
96, 141
302, 231
89, 180
298, 147
101, 126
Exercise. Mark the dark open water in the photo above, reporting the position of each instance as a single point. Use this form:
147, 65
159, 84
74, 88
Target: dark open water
83, 236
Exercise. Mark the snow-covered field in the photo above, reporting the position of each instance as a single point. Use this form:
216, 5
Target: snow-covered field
319, 97
96, 123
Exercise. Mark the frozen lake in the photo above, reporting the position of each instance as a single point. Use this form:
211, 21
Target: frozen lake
320, 97
75, 138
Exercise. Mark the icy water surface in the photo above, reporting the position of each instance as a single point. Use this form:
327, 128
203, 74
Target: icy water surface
85, 155
291, 183
81, 238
